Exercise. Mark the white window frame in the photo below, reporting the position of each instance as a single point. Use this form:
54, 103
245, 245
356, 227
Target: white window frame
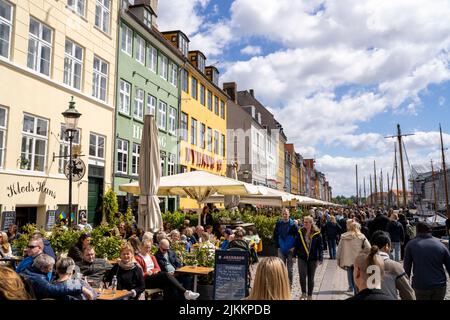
222, 145
77, 6
147, 18
222, 109
102, 10
202, 95
152, 59
201, 63
216, 142
70, 62
173, 74
151, 105
139, 96
202, 135
216, 105
135, 157
185, 80
184, 126
124, 97
164, 67
32, 137
126, 43
171, 164
9, 25
194, 129
97, 77
64, 146
162, 157
97, 146
194, 91
172, 120
37, 41
209, 137
184, 45
162, 115
140, 50
122, 148
210, 100
3, 128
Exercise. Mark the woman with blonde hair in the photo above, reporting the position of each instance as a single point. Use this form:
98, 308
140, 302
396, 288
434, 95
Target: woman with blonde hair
271, 281
350, 245
5, 247
11, 285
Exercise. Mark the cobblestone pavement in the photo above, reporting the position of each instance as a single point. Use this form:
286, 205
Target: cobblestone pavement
330, 282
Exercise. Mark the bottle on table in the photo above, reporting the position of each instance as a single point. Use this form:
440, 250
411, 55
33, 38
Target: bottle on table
114, 285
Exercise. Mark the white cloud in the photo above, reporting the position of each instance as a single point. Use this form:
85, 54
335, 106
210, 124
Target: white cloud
251, 50
180, 15
441, 101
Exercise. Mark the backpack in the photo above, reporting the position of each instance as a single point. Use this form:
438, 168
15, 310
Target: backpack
410, 231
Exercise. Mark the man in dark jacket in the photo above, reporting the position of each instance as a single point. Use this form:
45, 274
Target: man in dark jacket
92, 267
397, 235
34, 249
428, 256
284, 236
380, 222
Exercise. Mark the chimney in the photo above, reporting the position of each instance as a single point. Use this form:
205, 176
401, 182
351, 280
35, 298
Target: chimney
252, 93
231, 89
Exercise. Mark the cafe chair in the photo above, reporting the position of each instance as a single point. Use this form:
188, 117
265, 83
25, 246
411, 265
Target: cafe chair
151, 293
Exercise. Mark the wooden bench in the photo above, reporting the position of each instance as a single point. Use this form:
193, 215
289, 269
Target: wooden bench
150, 292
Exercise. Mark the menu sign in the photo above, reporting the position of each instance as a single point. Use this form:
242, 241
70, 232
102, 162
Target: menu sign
230, 275
50, 219
8, 217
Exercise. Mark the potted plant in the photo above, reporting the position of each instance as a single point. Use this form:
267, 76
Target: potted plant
202, 255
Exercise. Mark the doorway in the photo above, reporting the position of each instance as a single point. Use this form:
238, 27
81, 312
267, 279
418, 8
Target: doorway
25, 215
95, 199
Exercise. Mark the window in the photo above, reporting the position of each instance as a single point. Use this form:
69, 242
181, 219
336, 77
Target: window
152, 59
172, 119
222, 109
39, 47
6, 16
34, 143
151, 105
162, 115
194, 88
135, 159
3, 117
173, 74
209, 137
126, 42
184, 45
202, 94
147, 18
163, 71
216, 105
124, 97
96, 146
122, 156
100, 81
201, 63
171, 164
163, 162
209, 100
64, 147
222, 145
102, 13
139, 104
202, 135
216, 142
184, 126
184, 81
77, 6
140, 50
194, 131
73, 64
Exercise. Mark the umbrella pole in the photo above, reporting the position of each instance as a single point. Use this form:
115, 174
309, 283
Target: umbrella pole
199, 214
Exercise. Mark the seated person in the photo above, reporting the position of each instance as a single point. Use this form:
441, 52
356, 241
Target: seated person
239, 243
11, 285
174, 236
65, 269
5, 246
42, 288
154, 278
198, 233
92, 267
83, 225
47, 246
227, 233
76, 252
129, 274
34, 249
190, 236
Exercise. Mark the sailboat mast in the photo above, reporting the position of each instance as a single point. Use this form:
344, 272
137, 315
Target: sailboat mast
396, 177
445, 174
375, 182
399, 136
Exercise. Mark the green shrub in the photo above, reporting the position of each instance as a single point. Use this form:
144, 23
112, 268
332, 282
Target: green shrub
108, 247
62, 240
110, 207
265, 225
175, 219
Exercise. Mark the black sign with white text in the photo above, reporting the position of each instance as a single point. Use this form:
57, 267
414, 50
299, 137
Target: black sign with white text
230, 275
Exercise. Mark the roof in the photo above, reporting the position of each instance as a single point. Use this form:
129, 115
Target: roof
177, 31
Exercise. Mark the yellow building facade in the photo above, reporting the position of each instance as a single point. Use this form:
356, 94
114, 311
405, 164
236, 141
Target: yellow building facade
55, 50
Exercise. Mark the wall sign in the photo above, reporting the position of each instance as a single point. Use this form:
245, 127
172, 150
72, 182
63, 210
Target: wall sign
230, 275
202, 160
8, 217
19, 188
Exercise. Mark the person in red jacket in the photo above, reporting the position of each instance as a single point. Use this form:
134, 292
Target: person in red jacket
155, 278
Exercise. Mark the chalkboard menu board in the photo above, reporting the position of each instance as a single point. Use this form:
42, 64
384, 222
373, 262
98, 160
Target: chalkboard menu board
8, 217
50, 219
230, 275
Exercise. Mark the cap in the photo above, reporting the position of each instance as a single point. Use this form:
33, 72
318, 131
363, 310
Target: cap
228, 231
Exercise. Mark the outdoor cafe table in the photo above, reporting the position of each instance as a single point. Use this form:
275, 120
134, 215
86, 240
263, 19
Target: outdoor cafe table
107, 294
196, 271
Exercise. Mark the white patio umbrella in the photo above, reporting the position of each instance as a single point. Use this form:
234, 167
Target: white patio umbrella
149, 213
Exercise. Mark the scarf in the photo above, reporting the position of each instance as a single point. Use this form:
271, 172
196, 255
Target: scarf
127, 266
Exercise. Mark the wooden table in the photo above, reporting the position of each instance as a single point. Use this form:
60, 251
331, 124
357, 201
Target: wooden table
196, 271
108, 295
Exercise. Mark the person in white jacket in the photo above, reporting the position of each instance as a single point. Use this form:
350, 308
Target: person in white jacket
350, 245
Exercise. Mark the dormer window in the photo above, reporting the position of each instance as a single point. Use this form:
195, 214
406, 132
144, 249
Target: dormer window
183, 45
201, 63
147, 18
215, 76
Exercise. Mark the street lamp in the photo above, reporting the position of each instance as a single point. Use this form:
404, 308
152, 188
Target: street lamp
71, 117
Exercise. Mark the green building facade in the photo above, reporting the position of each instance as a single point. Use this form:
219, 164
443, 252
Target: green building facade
148, 82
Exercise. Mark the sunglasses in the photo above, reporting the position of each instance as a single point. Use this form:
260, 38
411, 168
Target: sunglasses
31, 247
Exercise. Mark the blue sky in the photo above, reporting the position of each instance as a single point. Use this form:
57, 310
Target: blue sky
339, 75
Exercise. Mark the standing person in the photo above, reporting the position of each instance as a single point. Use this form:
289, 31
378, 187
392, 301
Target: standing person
447, 226
367, 265
350, 245
333, 230
271, 281
284, 236
406, 228
206, 217
397, 235
308, 247
427, 255
395, 281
